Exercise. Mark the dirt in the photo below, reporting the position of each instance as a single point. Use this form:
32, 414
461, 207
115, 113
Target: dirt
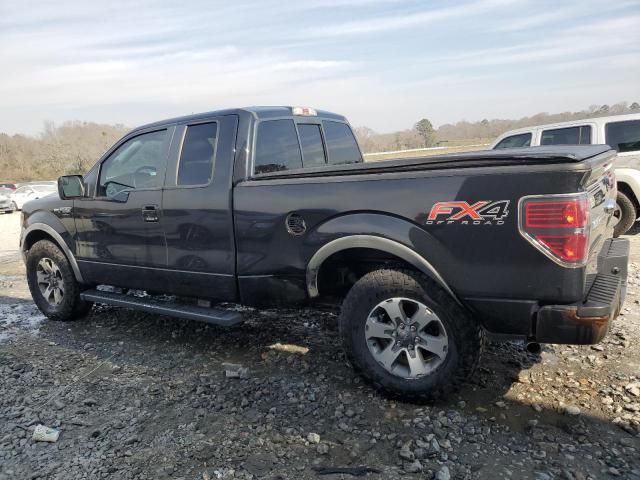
146, 397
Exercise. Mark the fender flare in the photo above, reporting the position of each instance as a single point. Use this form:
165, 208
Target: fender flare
374, 242
43, 227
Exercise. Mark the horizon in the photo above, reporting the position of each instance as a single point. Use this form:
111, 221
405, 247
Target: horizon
124, 64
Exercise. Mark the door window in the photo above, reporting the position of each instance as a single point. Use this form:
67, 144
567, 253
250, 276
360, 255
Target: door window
137, 163
623, 136
197, 156
514, 141
341, 144
567, 136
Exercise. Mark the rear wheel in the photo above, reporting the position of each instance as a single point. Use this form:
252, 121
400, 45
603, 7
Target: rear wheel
408, 337
52, 283
624, 215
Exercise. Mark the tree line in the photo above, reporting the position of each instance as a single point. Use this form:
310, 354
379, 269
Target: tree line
73, 147
424, 135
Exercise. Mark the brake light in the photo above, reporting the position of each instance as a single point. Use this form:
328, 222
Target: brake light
304, 111
558, 226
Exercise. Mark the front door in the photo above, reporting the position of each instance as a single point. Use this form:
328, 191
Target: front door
120, 240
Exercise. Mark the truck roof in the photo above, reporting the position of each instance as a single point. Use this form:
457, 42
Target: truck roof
258, 112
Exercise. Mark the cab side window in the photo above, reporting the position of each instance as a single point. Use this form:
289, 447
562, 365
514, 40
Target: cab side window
137, 163
515, 141
623, 136
197, 156
567, 136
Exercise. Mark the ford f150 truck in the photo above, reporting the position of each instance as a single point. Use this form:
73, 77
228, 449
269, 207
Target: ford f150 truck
274, 205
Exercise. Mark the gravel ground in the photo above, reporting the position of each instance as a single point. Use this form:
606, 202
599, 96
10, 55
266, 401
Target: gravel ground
146, 397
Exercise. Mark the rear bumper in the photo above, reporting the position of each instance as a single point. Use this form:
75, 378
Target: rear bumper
588, 322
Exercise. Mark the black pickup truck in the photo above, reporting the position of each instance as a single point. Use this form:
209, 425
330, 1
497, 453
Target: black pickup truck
274, 205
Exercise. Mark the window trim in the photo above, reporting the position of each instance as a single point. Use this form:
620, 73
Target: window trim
304, 120
179, 159
582, 125
124, 140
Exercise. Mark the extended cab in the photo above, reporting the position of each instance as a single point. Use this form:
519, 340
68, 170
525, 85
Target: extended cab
272, 205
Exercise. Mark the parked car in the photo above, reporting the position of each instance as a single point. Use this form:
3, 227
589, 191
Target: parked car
5, 200
30, 192
9, 185
273, 205
621, 132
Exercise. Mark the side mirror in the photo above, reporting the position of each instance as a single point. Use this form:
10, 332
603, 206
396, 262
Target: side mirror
70, 186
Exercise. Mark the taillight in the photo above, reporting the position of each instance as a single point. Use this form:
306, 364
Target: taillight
558, 226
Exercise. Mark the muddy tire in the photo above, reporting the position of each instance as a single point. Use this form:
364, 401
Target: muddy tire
626, 213
53, 285
406, 336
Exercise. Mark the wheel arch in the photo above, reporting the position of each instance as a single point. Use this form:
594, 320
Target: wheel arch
373, 243
41, 231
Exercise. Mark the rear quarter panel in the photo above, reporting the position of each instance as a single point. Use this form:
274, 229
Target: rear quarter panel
476, 260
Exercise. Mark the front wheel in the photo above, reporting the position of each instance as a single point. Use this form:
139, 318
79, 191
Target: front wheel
624, 215
53, 285
407, 336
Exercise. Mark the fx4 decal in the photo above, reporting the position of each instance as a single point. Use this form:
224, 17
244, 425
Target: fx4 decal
483, 212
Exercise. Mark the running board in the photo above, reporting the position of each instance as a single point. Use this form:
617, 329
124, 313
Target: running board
214, 316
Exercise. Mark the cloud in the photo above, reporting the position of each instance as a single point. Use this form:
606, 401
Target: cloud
384, 63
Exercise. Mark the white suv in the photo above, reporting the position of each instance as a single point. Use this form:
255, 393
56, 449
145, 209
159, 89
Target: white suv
621, 132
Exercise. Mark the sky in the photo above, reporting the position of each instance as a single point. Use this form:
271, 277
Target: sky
382, 63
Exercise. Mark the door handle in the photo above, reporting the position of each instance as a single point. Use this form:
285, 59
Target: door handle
150, 213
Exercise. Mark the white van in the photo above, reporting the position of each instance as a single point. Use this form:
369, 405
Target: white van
621, 132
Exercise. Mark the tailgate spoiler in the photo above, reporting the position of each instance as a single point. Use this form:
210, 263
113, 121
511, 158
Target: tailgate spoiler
483, 158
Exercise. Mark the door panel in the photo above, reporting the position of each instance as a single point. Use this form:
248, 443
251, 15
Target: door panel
198, 219
120, 239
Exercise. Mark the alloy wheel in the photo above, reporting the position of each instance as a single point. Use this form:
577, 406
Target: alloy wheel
406, 337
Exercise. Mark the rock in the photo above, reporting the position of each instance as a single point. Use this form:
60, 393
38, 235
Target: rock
405, 453
413, 467
235, 370
90, 402
633, 389
501, 404
443, 473
571, 410
323, 449
313, 438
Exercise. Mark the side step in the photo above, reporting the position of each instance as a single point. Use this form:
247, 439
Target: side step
214, 316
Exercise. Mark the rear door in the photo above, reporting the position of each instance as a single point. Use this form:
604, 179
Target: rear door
197, 209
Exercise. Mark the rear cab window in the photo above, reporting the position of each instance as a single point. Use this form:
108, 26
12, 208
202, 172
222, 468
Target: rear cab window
623, 136
579, 135
341, 143
285, 144
515, 141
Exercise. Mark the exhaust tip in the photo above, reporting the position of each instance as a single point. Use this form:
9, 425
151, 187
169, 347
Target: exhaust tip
533, 347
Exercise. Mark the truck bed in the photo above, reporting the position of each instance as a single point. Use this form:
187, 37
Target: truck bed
483, 158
